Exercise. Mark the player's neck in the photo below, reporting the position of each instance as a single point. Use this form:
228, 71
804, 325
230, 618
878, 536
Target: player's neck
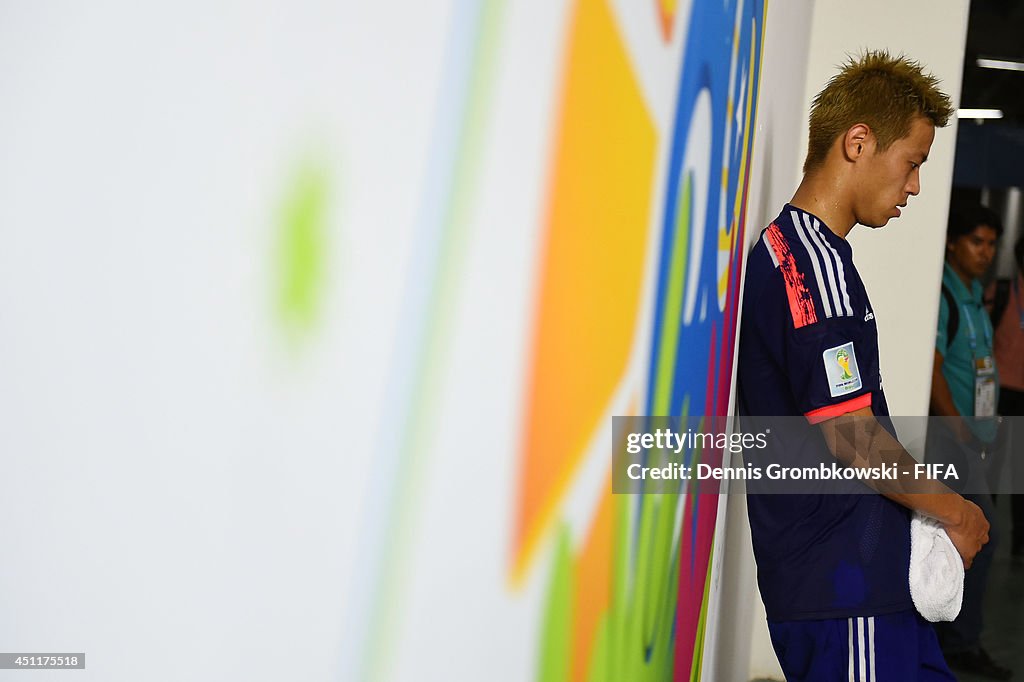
823, 197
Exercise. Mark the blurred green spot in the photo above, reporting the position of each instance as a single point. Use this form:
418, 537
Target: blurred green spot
302, 250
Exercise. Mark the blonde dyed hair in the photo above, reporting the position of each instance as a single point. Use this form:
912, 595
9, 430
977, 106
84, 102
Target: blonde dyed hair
884, 92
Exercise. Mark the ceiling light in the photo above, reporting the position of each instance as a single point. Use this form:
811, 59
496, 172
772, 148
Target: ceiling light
1004, 64
979, 113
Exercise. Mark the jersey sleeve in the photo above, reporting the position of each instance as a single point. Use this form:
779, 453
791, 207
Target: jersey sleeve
830, 364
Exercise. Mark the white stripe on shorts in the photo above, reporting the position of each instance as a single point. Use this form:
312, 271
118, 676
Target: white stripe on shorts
871, 647
849, 647
860, 650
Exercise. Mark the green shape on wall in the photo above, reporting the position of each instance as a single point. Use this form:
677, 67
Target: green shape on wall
556, 638
301, 252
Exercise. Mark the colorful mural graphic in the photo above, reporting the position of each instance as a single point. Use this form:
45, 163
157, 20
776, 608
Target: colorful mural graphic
632, 602
627, 598
592, 266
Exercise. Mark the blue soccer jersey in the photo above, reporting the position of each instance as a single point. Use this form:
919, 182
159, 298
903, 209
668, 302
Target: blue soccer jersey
809, 347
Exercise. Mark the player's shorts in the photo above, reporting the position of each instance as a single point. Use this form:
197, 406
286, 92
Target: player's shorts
895, 647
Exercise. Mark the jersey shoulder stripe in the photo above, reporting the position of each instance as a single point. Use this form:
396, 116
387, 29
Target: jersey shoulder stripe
815, 265
801, 304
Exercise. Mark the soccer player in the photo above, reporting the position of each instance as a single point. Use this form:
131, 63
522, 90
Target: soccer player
833, 569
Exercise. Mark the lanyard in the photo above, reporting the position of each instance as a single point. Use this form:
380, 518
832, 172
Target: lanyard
972, 335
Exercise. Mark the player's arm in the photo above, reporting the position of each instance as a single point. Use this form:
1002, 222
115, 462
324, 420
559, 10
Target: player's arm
856, 439
940, 400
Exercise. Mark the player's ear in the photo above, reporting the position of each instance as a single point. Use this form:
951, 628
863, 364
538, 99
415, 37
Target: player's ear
855, 141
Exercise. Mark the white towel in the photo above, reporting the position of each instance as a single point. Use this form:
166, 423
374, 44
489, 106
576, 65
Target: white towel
936, 571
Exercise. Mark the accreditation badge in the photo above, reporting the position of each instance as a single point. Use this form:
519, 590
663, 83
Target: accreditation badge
985, 387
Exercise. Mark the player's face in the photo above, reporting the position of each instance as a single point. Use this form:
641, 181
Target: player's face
971, 254
891, 177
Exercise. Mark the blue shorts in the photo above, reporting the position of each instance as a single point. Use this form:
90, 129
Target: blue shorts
895, 647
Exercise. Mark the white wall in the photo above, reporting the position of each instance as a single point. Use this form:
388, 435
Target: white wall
900, 264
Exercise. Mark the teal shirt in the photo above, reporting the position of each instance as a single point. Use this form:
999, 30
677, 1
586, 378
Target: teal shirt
958, 360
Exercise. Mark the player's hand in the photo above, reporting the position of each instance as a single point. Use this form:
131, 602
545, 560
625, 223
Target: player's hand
970, 534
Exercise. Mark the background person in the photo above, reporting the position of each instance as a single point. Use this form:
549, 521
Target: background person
1007, 301
965, 391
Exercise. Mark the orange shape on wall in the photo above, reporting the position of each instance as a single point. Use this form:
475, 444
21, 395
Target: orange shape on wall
667, 15
591, 266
